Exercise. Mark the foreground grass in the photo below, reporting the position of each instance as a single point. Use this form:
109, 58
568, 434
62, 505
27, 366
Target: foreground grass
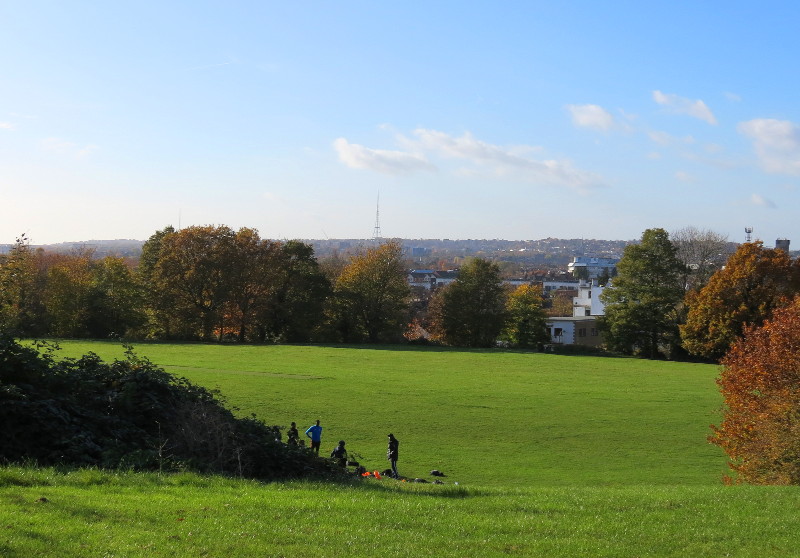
487, 418
93, 513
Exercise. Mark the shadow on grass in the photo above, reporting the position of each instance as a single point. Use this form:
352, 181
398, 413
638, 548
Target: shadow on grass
410, 488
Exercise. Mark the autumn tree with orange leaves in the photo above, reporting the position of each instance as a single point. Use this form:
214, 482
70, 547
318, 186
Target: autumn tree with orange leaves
760, 384
754, 281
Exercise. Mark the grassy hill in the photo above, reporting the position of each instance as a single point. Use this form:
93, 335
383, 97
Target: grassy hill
554, 456
483, 417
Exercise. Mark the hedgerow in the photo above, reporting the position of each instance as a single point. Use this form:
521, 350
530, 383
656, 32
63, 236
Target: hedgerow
131, 414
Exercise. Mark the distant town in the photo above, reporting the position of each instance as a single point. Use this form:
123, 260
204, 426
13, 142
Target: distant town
518, 255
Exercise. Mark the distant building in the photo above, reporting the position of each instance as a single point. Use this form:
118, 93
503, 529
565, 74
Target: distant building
574, 331
589, 267
587, 302
431, 279
548, 286
782, 244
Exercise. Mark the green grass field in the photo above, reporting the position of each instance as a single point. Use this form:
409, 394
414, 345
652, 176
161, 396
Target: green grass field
553, 455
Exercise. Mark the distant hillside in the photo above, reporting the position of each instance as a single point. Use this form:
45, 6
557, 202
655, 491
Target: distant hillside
424, 252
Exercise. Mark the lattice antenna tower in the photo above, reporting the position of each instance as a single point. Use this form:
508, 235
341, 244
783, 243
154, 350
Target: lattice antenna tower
376, 232
748, 231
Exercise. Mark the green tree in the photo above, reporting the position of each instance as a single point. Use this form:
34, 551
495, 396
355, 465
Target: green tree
67, 295
471, 311
159, 305
193, 275
297, 295
21, 284
371, 296
526, 323
641, 303
115, 299
251, 270
754, 281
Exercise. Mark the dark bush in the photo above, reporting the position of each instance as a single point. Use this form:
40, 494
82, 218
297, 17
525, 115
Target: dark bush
131, 414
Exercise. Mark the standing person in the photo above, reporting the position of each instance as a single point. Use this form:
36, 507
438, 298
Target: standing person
293, 435
392, 453
315, 433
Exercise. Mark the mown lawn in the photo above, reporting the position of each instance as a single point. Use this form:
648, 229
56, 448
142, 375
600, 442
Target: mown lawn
553, 456
487, 418
90, 513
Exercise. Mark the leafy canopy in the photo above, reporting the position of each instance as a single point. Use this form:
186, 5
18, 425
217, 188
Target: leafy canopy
640, 314
760, 384
752, 284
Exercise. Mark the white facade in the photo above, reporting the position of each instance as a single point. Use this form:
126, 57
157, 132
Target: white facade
588, 303
574, 331
595, 267
548, 286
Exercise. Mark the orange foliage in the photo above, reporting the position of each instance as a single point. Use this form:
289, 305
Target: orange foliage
760, 383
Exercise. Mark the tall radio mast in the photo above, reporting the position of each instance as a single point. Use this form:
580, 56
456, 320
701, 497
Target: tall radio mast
376, 232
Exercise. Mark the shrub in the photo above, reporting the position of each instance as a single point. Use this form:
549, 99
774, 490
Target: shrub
131, 414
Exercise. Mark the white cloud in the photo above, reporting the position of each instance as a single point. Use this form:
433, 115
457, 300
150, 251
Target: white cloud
663, 138
591, 116
380, 160
761, 201
6, 126
680, 105
684, 176
503, 161
733, 97
506, 160
61, 147
776, 143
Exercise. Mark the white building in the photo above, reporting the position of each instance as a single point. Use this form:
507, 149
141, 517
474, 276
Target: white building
595, 267
574, 331
588, 303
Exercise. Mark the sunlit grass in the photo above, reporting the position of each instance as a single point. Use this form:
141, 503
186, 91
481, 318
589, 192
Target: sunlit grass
553, 456
92, 513
486, 418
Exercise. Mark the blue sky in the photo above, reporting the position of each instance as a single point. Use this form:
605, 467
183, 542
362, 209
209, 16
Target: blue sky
515, 120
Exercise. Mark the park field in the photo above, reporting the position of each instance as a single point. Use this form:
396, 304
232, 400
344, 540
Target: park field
553, 456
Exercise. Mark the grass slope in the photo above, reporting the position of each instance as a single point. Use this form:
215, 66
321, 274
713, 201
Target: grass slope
486, 418
555, 456
91, 513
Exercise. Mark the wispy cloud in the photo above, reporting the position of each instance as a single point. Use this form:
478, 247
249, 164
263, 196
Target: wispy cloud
505, 161
500, 161
380, 160
62, 147
776, 143
681, 105
761, 201
591, 116
6, 126
663, 138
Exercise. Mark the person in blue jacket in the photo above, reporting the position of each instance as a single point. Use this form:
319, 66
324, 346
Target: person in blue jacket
315, 433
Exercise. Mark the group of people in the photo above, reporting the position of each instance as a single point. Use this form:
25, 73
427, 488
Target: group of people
314, 433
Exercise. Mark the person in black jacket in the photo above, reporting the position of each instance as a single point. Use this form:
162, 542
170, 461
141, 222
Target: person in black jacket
340, 454
392, 453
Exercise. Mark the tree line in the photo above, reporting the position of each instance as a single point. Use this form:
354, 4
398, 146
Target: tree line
674, 297
211, 283
662, 304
